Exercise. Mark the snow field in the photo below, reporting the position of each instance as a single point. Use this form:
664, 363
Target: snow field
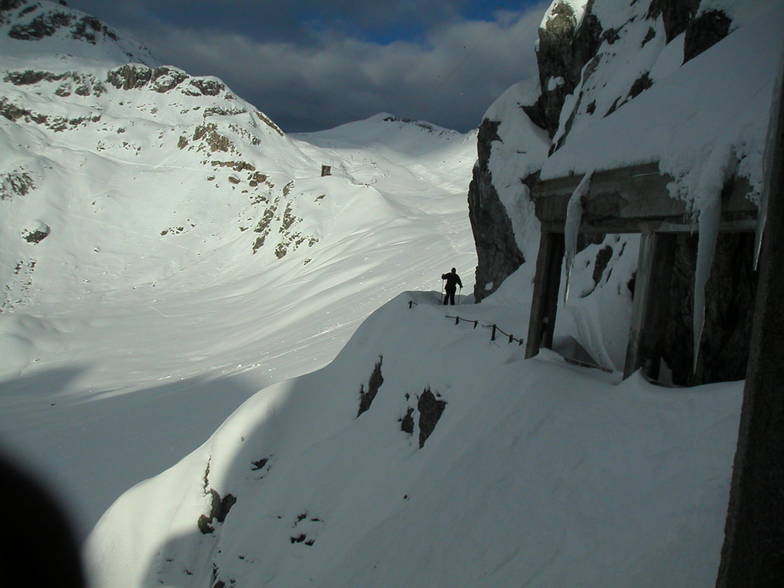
131, 346
147, 320
537, 472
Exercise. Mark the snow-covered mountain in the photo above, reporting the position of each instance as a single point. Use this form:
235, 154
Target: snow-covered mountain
428, 454
112, 142
167, 250
179, 267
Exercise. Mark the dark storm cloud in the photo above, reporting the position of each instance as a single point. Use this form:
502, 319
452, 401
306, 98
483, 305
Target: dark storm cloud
302, 19
311, 65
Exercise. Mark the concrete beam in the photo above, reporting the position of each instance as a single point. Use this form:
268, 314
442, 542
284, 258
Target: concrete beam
619, 200
641, 225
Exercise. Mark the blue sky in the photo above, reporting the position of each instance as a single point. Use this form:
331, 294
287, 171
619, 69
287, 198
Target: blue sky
312, 64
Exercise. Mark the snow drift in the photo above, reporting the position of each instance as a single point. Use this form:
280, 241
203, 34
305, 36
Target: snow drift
536, 473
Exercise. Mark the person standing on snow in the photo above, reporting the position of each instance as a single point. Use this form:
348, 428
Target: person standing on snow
452, 282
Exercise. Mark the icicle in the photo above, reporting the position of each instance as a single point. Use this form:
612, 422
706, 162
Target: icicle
709, 221
762, 220
767, 161
720, 166
574, 215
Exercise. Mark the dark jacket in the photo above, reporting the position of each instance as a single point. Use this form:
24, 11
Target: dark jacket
452, 281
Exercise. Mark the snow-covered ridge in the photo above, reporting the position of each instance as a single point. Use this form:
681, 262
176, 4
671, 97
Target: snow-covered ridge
54, 30
34, 22
429, 153
135, 122
406, 136
138, 118
153, 128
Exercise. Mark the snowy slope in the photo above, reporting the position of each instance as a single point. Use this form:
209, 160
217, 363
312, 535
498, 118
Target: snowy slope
180, 278
167, 251
429, 153
537, 473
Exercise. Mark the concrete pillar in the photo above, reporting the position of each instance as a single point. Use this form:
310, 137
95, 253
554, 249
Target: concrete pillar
547, 282
753, 551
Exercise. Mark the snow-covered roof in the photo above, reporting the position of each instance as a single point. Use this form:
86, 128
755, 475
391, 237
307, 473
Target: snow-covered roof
710, 113
703, 122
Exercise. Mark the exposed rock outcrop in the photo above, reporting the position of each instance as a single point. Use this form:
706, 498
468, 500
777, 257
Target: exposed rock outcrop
374, 383
430, 409
6, 7
70, 82
219, 509
35, 22
162, 79
53, 122
37, 234
497, 251
703, 32
15, 183
86, 28
676, 14
565, 46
